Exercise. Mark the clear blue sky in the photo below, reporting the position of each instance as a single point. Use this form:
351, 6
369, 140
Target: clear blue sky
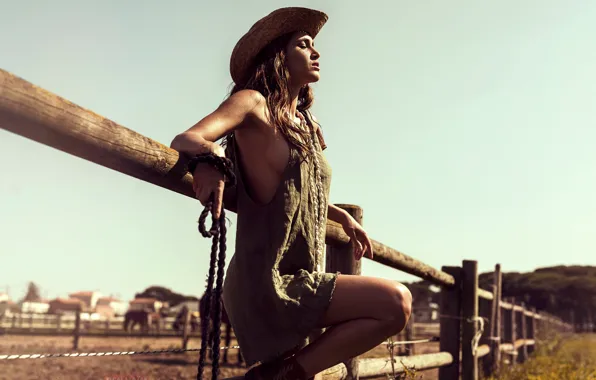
465, 131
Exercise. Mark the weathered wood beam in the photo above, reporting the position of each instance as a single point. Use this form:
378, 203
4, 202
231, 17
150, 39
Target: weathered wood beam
485, 294
39, 115
450, 328
509, 347
506, 305
393, 258
482, 351
340, 258
469, 314
506, 347
382, 366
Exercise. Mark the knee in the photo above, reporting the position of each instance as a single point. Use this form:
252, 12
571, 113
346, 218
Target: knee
400, 307
406, 300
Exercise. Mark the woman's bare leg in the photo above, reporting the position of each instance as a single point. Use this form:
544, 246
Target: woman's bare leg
364, 312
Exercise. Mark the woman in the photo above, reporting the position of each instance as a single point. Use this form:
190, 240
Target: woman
276, 292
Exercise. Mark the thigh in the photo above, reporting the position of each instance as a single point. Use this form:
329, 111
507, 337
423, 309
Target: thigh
357, 297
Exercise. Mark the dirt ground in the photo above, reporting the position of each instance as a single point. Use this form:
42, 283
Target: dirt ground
137, 367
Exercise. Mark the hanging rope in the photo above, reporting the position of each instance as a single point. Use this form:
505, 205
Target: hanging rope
217, 233
479, 331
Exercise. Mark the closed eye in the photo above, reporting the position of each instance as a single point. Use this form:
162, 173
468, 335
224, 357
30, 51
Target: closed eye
307, 43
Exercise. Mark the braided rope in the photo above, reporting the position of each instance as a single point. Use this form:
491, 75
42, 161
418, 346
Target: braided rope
222, 164
478, 335
217, 233
317, 194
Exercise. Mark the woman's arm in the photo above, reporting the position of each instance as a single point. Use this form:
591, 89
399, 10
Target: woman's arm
358, 237
201, 137
337, 214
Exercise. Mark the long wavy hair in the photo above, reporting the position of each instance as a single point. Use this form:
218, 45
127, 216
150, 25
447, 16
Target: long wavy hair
270, 76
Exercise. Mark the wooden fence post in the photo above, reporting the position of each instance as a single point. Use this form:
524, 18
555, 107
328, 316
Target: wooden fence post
341, 259
495, 325
450, 324
521, 320
401, 336
513, 333
410, 336
531, 330
485, 312
492, 332
186, 329
469, 316
77, 331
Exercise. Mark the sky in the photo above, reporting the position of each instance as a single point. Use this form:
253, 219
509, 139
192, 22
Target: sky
464, 129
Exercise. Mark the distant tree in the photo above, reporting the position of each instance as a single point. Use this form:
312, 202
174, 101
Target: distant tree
560, 290
33, 293
164, 294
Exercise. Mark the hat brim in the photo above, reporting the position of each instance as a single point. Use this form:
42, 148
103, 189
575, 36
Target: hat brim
267, 29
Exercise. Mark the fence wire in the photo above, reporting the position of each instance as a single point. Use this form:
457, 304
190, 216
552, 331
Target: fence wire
157, 352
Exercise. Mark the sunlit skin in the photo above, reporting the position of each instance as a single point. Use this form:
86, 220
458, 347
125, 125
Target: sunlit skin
364, 311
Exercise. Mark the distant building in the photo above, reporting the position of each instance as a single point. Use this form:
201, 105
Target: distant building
12, 307
146, 303
65, 305
109, 307
89, 298
32, 307
426, 313
4, 297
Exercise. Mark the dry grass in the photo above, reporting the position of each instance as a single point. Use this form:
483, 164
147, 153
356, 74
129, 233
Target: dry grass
562, 358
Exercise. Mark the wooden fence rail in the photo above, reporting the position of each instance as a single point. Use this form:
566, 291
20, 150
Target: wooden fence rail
472, 320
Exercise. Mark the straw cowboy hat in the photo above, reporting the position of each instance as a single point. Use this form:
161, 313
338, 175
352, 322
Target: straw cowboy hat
267, 29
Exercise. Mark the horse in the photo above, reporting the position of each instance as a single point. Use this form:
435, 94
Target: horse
178, 323
146, 318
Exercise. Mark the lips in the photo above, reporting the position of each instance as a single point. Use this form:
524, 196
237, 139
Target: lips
315, 65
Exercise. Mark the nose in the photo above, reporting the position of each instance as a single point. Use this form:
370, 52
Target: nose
315, 54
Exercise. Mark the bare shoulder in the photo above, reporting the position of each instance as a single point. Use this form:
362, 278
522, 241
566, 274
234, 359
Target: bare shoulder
247, 98
248, 102
254, 107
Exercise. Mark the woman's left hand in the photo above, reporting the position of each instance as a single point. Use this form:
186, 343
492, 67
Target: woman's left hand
358, 237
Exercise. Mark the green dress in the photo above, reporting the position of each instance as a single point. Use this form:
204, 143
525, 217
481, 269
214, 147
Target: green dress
273, 295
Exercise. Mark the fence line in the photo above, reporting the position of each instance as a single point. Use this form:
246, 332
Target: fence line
55, 324
39, 115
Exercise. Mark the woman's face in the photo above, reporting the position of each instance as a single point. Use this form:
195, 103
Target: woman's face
302, 59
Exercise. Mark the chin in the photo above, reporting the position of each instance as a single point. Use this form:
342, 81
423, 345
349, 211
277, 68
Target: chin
314, 76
